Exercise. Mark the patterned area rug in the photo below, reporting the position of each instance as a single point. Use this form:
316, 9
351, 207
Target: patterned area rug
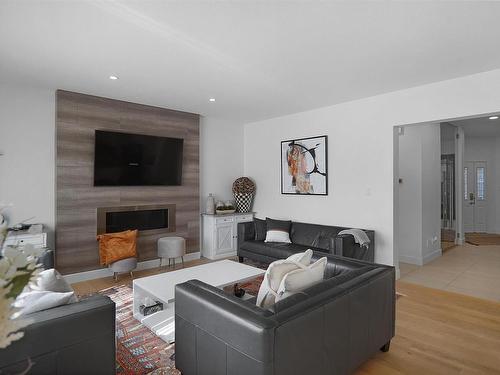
138, 350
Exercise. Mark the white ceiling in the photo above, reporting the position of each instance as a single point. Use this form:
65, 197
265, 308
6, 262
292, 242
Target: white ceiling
259, 59
480, 127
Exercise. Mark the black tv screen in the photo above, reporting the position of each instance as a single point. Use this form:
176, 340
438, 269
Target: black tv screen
136, 160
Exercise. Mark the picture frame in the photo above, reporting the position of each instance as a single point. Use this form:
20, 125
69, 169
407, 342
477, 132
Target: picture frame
304, 166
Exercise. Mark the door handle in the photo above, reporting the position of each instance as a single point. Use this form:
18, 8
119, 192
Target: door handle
472, 199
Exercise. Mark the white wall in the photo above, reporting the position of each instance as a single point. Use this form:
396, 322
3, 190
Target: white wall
431, 192
410, 195
361, 170
486, 149
419, 194
27, 140
448, 147
221, 158
496, 188
27, 136
448, 132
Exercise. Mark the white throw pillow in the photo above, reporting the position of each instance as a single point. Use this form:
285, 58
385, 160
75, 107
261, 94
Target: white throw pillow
301, 278
277, 236
37, 300
52, 281
275, 273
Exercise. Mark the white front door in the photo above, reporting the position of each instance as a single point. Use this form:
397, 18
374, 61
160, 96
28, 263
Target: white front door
475, 196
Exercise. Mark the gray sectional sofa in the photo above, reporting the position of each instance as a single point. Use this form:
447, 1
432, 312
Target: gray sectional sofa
328, 329
321, 238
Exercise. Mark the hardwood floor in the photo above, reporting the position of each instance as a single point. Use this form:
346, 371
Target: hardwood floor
437, 332
93, 286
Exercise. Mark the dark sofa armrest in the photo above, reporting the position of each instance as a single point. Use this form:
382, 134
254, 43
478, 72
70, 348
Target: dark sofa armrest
346, 246
246, 232
63, 333
227, 319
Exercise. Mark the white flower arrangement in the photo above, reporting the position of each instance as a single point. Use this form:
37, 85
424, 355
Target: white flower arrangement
18, 268
3, 222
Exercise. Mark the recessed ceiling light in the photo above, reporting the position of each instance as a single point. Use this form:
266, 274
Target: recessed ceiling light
211, 100
113, 78
493, 117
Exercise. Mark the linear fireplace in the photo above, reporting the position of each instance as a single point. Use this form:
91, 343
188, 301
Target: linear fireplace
158, 218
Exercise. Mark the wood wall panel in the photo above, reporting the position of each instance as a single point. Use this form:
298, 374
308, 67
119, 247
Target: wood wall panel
77, 200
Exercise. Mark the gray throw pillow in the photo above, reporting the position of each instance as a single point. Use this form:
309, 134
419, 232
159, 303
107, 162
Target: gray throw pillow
260, 229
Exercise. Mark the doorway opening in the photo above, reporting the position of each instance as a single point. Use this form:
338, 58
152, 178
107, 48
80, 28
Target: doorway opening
448, 141
447, 205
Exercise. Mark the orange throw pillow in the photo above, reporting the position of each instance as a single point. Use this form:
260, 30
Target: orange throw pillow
116, 246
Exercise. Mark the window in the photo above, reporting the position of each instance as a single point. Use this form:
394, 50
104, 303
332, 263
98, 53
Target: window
466, 188
480, 180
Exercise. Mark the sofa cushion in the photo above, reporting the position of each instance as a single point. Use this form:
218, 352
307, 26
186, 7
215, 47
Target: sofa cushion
321, 291
278, 230
302, 278
275, 273
52, 281
116, 246
275, 249
260, 229
38, 300
314, 235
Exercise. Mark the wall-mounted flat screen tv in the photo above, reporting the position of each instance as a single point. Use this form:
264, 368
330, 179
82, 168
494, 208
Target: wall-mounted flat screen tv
123, 159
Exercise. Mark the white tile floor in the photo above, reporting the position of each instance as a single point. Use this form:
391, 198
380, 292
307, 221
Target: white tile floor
468, 269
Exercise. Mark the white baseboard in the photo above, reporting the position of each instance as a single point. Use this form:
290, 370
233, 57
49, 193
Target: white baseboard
106, 272
410, 259
398, 273
223, 256
430, 257
420, 261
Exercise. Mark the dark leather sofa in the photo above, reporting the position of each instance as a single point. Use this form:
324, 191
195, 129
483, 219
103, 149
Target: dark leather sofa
321, 238
78, 338
328, 329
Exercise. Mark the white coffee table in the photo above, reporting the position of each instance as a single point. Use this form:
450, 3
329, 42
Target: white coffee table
162, 288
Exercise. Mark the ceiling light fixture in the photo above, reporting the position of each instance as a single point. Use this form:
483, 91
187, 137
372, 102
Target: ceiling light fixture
493, 117
113, 78
211, 100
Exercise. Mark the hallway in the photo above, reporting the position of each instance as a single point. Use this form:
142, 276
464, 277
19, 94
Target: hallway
467, 269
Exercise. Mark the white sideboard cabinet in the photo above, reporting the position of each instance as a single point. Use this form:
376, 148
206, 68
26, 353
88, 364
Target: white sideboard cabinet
220, 234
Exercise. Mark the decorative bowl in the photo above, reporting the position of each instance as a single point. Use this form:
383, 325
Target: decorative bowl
223, 212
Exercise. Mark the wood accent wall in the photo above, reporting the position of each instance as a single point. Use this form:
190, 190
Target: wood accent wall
77, 200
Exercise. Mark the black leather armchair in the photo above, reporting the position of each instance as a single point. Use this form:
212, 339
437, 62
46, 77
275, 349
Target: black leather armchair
320, 238
78, 338
328, 329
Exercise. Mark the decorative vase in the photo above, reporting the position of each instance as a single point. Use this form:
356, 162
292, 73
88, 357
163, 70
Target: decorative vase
243, 202
243, 192
210, 209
